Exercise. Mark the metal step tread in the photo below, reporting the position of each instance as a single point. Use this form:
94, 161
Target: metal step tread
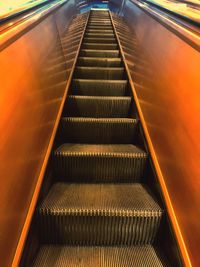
99, 40
100, 30
99, 53
137, 256
131, 200
99, 45
102, 34
108, 73
94, 68
99, 214
99, 61
101, 50
96, 81
107, 163
99, 22
98, 130
99, 150
104, 98
97, 106
99, 87
99, 120
98, 19
100, 27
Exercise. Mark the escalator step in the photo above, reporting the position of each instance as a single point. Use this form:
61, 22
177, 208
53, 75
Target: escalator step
100, 27
99, 40
94, 24
99, 87
99, 214
99, 163
99, 53
101, 130
100, 46
137, 256
101, 35
99, 73
100, 20
97, 106
99, 15
99, 62
99, 31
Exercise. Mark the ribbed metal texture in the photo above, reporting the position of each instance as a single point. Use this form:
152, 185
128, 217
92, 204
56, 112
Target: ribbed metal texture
98, 201
109, 73
98, 130
98, 22
98, 53
97, 106
92, 87
101, 20
102, 35
99, 163
99, 46
100, 27
66, 256
99, 40
99, 62
93, 214
99, 31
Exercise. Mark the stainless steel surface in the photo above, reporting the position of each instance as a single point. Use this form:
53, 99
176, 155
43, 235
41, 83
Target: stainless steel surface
99, 214
29, 106
100, 256
165, 72
99, 194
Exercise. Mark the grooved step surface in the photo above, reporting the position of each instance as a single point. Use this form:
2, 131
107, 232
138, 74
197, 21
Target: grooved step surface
66, 256
99, 214
101, 130
98, 21
102, 35
99, 46
99, 53
91, 87
99, 30
99, 73
97, 106
100, 27
99, 163
99, 62
99, 40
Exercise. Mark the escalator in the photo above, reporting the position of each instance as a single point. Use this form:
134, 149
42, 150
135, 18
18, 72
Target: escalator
100, 211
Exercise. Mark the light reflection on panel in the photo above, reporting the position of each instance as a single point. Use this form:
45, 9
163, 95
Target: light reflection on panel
34, 72
166, 77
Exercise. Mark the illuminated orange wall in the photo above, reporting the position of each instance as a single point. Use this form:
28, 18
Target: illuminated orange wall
28, 110
168, 87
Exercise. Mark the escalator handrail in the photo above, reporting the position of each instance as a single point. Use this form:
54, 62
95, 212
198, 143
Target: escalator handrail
183, 31
26, 24
173, 13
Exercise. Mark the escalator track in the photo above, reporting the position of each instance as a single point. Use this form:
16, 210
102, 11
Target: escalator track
99, 211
